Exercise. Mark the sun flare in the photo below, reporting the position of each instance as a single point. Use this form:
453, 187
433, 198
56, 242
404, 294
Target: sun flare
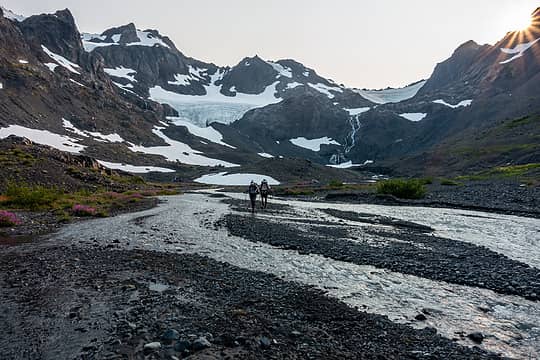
518, 19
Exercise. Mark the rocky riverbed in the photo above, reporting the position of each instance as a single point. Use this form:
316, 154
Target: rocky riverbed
200, 277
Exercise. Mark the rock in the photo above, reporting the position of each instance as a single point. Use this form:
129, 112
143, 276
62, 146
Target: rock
151, 347
170, 335
476, 337
201, 343
182, 346
265, 342
421, 317
295, 333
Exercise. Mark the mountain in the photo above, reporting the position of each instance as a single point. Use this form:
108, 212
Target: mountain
130, 97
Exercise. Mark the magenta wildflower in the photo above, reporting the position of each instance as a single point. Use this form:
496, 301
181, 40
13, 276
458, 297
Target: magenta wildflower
8, 219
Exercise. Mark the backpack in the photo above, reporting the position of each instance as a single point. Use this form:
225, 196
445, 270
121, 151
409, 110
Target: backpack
264, 186
252, 189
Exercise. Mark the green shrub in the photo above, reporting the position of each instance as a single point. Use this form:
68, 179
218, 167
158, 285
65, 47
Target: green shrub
335, 184
402, 188
30, 197
427, 181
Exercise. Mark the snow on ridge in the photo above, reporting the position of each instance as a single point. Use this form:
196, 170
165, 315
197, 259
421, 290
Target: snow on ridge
313, 144
44, 137
133, 168
463, 103
208, 133
357, 111
22, 61
325, 89
413, 116
224, 178
391, 95
281, 70
8, 14
266, 155
122, 72
178, 151
60, 60
517, 51
145, 39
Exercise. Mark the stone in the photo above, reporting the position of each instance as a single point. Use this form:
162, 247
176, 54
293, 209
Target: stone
170, 335
201, 343
476, 337
421, 317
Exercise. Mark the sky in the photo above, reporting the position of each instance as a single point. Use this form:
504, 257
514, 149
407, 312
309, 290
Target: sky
364, 44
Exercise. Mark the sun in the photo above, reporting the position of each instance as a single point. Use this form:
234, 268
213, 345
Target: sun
517, 19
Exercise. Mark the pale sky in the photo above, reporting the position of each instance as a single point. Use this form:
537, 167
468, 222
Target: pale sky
371, 44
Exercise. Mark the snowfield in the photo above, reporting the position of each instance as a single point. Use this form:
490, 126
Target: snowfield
8, 14
122, 72
413, 116
313, 144
517, 51
391, 95
134, 169
349, 164
266, 155
44, 137
463, 103
223, 178
178, 151
208, 133
94, 134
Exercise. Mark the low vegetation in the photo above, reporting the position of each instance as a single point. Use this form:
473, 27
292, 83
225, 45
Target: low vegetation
449, 182
510, 171
8, 219
82, 203
402, 188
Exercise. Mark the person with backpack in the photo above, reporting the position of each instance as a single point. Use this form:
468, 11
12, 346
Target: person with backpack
253, 190
265, 191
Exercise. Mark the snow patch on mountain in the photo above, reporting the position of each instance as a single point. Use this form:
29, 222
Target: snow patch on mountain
266, 155
391, 95
44, 137
357, 111
313, 144
294, 84
93, 41
325, 89
413, 116
178, 151
133, 168
24, 62
223, 178
8, 14
208, 133
517, 51
122, 72
62, 61
281, 70
51, 66
463, 103
94, 134
350, 164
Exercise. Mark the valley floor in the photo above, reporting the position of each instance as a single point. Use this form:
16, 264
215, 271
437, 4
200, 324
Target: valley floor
200, 276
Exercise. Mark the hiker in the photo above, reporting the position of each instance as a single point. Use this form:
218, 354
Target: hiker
253, 190
265, 191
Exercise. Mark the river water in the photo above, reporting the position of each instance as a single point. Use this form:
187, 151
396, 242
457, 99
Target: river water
511, 323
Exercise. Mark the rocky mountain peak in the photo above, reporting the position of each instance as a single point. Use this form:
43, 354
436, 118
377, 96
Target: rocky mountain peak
123, 35
58, 32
